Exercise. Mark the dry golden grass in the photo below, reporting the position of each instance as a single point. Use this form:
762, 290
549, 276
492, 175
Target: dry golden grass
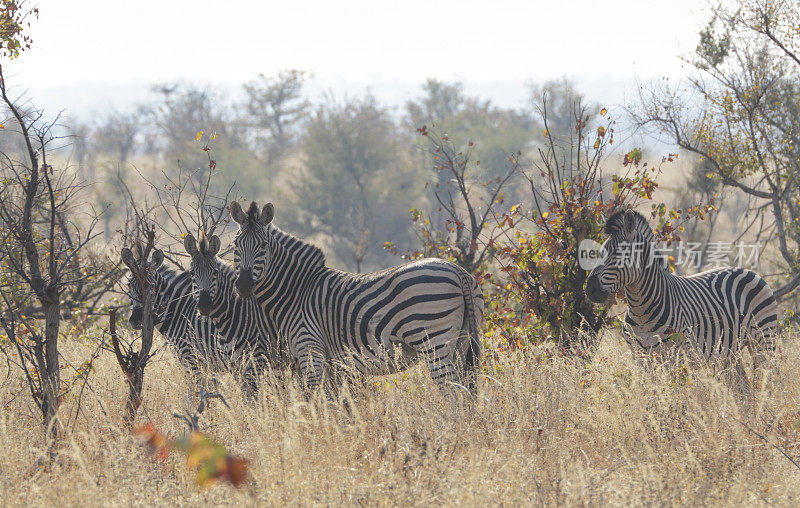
544, 432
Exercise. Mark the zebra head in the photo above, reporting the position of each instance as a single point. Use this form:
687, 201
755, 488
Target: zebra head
204, 270
135, 292
251, 253
624, 255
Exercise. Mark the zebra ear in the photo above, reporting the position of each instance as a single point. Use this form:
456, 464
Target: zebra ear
213, 246
190, 244
127, 258
629, 224
156, 259
237, 213
267, 213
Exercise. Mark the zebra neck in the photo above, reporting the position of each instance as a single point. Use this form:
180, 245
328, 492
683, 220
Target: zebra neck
226, 293
293, 265
652, 296
176, 300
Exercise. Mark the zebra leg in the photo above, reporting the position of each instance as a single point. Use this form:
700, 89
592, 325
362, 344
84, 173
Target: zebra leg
197, 382
448, 368
312, 363
759, 350
759, 367
248, 381
467, 362
470, 330
193, 385
730, 369
445, 375
739, 375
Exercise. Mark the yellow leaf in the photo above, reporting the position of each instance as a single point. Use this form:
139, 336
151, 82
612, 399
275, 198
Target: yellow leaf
545, 133
199, 135
545, 214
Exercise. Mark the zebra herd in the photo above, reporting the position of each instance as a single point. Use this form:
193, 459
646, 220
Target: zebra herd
279, 306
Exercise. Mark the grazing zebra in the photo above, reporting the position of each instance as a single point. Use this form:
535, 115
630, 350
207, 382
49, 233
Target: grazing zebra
254, 341
195, 339
377, 323
718, 310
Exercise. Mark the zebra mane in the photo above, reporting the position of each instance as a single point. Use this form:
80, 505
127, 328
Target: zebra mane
294, 245
168, 275
252, 212
616, 223
202, 245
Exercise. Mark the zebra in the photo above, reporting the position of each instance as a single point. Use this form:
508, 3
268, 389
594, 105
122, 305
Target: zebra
194, 338
375, 324
253, 340
718, 310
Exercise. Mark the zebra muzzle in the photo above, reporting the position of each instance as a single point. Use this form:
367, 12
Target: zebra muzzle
244, 283
204, 303
136, 318
594, 291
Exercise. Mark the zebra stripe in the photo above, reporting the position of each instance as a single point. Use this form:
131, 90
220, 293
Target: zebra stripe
718, 310
254, 341
379, 323
195, 339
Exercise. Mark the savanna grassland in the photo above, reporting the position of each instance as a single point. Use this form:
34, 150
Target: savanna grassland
546, 430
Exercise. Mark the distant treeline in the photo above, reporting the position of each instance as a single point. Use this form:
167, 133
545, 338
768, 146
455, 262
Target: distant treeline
344, 172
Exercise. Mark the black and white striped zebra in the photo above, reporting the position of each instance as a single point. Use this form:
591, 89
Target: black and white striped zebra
253, 341
718, 311
379, 322
196, 341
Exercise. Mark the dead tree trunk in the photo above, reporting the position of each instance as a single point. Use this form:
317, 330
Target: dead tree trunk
51, 369
132, 363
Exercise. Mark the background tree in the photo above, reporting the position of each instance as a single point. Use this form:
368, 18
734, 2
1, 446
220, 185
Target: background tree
739, 114
467, 205
351, 185
180, 111
184, 114
275, 108
15, 17
465, 118
562, 96
103, 153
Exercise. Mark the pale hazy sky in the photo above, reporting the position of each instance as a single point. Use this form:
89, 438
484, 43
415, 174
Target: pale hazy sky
363, 42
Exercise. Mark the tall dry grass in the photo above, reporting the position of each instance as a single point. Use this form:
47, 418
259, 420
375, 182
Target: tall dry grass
545, 431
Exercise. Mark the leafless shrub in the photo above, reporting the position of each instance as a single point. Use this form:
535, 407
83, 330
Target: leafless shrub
42, 239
